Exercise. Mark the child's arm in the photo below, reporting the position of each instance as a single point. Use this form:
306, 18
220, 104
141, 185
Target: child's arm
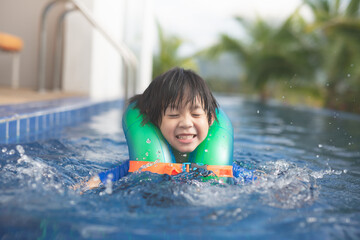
113, 175
93, 182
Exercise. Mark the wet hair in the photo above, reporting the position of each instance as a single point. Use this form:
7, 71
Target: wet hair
170, 89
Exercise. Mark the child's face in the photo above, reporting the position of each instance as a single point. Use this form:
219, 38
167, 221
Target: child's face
185, 128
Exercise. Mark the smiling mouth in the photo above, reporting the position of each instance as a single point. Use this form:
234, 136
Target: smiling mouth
185, 137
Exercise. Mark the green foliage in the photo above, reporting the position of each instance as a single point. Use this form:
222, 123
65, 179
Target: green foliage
168, 56
271, 53
338, 28
322, 54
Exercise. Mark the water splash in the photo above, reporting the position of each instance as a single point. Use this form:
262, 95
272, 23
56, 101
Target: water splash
30, 171
285, 185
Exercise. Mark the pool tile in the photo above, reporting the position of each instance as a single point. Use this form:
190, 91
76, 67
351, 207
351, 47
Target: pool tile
23, 126
32, 124
40, 121
51, 120
12, 130
47, 121
56, 119
29, 122
3, 131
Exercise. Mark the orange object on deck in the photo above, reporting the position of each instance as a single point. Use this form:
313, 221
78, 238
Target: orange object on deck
12, 45
10, 42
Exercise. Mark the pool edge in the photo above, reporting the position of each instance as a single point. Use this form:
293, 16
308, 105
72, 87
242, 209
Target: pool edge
21, 125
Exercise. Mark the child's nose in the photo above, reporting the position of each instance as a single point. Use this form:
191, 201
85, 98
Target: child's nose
186, 121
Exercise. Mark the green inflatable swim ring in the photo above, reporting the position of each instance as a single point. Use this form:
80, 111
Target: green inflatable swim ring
146, 142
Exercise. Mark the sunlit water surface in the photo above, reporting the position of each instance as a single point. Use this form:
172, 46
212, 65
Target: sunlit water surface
308, 186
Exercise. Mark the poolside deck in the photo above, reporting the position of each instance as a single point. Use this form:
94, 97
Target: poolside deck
23, 95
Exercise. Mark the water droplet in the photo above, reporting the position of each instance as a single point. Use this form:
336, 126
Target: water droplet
345, 171
206, 150
20, 149
109, 184
147, 154
320, 145
110, 176
258, 111
12, 152
317, 156
283, 97
349, 75
148, 141
4, 149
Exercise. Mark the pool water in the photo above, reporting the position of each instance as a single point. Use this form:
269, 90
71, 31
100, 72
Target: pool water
308, 186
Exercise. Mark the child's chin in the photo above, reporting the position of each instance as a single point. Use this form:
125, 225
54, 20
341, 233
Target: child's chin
186, 150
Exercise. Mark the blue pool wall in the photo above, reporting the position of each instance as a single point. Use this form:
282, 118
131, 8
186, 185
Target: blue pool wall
33, 121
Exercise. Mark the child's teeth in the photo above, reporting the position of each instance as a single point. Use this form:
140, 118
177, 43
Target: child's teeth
186, 137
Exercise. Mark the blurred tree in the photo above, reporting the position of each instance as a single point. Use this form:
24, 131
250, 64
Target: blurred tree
168, 55
270, 53
337, 25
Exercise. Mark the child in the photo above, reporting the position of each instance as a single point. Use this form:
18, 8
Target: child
182, 107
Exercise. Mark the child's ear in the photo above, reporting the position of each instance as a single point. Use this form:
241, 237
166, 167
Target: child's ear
212, 119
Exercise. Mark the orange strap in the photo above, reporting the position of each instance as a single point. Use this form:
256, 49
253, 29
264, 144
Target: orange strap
176, 168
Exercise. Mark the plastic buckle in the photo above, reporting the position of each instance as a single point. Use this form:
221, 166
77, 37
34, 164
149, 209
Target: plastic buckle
187, 167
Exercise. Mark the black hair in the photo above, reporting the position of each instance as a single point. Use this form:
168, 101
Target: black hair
169, 90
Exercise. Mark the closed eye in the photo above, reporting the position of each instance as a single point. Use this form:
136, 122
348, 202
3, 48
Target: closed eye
197, 113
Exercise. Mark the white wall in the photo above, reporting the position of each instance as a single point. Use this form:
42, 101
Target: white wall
91, 64
77, 52
147, 46
129, 22
107, 79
